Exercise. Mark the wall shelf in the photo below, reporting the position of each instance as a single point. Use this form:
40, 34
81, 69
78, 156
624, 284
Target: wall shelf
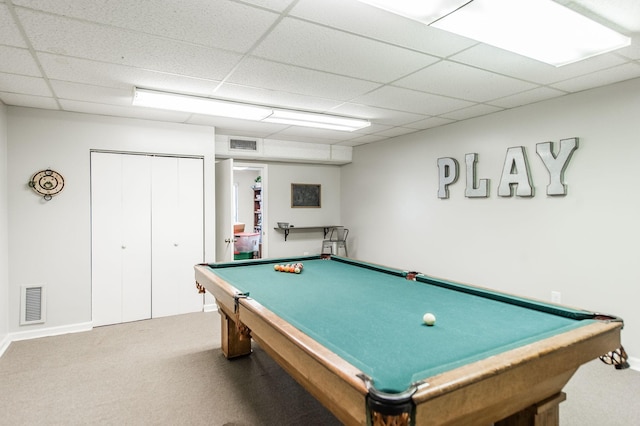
325, 229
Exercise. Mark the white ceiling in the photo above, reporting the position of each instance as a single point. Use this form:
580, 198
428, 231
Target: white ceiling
333, 56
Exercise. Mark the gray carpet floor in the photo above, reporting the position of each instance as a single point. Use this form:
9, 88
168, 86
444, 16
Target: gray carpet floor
171, 371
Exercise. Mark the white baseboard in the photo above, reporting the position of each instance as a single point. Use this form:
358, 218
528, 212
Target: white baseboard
42, 332
634, 363
50, 331
211, 308
4, 344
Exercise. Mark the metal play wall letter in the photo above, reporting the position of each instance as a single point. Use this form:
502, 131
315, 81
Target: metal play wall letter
515, 173
447, 174
557, 164
482, 189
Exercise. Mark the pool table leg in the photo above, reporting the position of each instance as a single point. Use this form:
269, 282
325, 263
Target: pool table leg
235, 341
544, 413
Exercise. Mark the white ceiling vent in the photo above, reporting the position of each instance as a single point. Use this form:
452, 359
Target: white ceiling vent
32, 305
243, 144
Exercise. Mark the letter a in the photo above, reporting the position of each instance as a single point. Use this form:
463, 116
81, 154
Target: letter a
515, 173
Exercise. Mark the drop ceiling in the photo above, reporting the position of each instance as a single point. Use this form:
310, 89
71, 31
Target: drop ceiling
338, 57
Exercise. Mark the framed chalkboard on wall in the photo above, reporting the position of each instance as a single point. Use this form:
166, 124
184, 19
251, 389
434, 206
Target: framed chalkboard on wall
305, 195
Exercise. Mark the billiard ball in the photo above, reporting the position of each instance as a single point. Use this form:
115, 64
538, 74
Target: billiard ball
429, 318
276, 267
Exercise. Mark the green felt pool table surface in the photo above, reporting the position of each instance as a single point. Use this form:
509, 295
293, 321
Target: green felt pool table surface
372, 316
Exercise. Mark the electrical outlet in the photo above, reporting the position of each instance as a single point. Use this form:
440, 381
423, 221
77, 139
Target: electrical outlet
306, 253
556, 297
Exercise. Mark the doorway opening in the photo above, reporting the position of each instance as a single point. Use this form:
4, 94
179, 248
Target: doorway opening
249, 207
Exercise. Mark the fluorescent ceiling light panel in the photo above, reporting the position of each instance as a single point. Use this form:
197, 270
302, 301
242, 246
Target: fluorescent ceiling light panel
539, 29
419, 10
322, 121
220, 108
199, 105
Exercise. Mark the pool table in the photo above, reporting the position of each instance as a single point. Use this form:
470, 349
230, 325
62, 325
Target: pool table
352, 333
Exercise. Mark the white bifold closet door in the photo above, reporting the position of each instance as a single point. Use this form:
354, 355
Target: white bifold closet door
147, 233
177, 232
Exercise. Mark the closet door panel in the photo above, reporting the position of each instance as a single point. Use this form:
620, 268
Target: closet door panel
106, 254
136, 237
121, 238
177, 234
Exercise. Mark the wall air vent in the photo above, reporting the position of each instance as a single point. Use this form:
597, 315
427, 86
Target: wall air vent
32, 305
243, 144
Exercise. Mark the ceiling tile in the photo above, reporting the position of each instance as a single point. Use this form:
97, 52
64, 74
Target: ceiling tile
106, 44
397, 131
222, 24
9, 32
274, 98
411, 101
287, 78
25, 85
18, 61
372, 129
471, 112
500, 61
381, 25
429, 123
601, 78
528, 97
276, 5
339, 52
89, 93
120, 76
384, 116
362, 140
463, 82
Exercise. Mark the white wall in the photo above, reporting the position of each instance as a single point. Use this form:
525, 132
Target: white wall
583, 245
4, 230
281, 176
49, 242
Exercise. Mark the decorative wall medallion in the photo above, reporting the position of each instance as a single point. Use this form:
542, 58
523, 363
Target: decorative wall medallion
47, 183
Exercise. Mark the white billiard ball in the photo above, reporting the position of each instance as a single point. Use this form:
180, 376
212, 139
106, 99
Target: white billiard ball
429, 318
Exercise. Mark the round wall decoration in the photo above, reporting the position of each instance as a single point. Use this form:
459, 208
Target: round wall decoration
47, 183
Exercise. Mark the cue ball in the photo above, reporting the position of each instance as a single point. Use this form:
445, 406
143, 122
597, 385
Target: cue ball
429, 318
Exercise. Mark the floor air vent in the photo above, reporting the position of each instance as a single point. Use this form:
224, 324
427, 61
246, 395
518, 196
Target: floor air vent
32, 305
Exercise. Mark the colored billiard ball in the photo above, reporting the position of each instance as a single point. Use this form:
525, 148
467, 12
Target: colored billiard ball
297, 270
429, 318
